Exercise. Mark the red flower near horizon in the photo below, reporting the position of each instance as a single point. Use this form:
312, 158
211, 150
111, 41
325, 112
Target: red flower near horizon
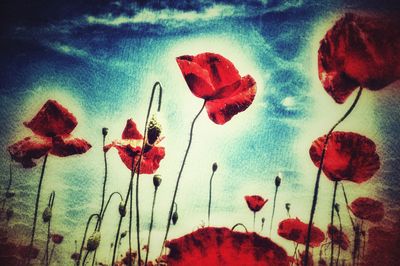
295, 230
215, 79
359, 51
13, 254
52, 126
349, 156
221, 246
130, 147
367, 209
57, 238
337, 237
255, 202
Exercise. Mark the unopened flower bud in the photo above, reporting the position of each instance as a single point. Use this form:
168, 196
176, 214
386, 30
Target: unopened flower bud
9, 213
214, 167
263, 220
157, 180
93, 241
287, 206
47, 213
123, 234
153, 131
122, 209
174, 218
278, 180
10, 194
104, 131
337, 207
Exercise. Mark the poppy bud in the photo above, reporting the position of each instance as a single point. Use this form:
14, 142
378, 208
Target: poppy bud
263, 220
174, 218
337, 207
93, 241
10, 194
75, 256
287, 206
153, 131
122, 209
157, 180
278, 180
9, 213
47, 213
104, 131
214, 167
123, 234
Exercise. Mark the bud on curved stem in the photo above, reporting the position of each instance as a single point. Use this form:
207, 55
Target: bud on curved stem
214, 167
175, 214
157, 180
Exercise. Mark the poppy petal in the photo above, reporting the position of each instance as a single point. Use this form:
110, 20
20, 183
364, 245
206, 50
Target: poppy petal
221, 246
52, 119
368, 209
359, 51
131, 131
222, 110
67, 145
349, 156
255, 202
28, 149
338, 237
295, 230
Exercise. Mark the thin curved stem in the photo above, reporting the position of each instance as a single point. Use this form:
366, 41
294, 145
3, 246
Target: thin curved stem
108, 202
104, 182
254, 221
151, 225
36, 208
315, 197
84, 236
239, 224
50, 205
332, 213
130, 223
51, 253
180, 175
209, 198
84, 259
273, 210
294, 253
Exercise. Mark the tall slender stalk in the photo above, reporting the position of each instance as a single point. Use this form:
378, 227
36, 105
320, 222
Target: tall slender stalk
277, 184
84, 236
214, 168
36, 209
347, 207
49, 205
332, 213
341, 233
254, 221
180, 175
294, 253
151, 225
316, 187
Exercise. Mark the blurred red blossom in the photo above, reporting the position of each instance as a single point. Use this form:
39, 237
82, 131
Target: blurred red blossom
57, 238
52, 126
215, 79
221, 246
255, 202
349, 156
338, 237
367, 209
359, 51
295, 230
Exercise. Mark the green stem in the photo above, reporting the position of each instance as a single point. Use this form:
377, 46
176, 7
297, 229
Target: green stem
209, 198
84, 236
332, 213
51, 253
36, 209
254, 221
239, 224
316, 187
130, 223
273, 210
179, 176
151, 225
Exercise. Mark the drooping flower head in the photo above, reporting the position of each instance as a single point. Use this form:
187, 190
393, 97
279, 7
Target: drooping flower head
359, 51
130, 147
349, 156
295, 230
367, 209
52, 126
215, 79
221, 246
255, 202
337, 237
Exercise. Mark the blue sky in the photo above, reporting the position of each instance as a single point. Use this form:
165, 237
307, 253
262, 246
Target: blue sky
100, 60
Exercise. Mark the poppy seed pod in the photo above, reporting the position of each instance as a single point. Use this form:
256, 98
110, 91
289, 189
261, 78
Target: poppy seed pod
104, 131
123, 234
122, 209
47, 213
174, 218
278, 180
153, 131
263, 220
93, 241
157, 180
287, 206
337, 207
214, 167
9, 213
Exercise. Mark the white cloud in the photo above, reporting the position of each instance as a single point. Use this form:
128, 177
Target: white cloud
68, 50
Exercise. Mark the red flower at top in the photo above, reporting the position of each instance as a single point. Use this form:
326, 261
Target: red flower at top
367, 209
221, 246
130, 147
52, 126
349, 156
359, 51
296, 230
255, 202
215, 79
338, 238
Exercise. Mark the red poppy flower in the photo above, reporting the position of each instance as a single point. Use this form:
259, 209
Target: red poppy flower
215, 79
255, 202
12, 254
295, 230
349, 156
52, 126
359, 51
221, 246
337, 237
302, 256
367, 209
57, 238
130, 147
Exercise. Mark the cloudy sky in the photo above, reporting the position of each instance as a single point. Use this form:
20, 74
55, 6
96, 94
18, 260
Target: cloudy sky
100, 59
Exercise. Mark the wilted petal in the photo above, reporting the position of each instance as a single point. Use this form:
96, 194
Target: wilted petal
67, 145
29, 149
367, 209
130, 131
221, 110
349, 156
52, 119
